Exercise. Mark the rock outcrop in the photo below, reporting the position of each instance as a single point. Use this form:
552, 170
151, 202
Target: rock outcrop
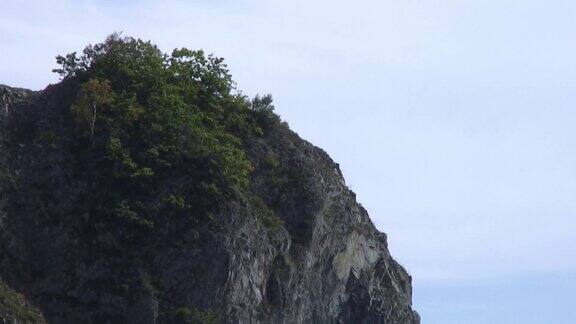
9, 96
316, 258
14, 308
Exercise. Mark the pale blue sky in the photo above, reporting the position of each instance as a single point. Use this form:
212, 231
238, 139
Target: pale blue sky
454, 122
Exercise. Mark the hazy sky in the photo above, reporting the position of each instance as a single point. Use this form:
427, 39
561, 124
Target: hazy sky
453, 121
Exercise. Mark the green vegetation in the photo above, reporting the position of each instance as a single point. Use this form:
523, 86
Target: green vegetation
14, 306
194, 316
141, 117
271, 162
268, 216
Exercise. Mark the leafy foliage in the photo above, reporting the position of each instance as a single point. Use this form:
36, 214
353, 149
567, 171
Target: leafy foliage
95, 93
194, 316
142, 117
14, 306
263, 109
267, 215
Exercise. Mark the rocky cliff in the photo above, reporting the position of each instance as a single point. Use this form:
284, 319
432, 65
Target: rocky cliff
14, 308
294, 247
9, 96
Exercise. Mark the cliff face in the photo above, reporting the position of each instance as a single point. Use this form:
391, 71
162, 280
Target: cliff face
9, 96
299, 250
14, 308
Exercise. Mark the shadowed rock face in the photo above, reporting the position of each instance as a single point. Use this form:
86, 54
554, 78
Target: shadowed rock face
325, 262
14, 308
9, 96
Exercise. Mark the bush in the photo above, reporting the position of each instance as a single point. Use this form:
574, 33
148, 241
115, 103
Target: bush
15, 307
267, 215
150, 126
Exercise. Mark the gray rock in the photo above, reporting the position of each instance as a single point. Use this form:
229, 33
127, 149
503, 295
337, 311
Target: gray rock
9, 96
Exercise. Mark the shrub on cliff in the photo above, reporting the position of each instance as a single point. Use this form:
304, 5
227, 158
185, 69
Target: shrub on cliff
142, 117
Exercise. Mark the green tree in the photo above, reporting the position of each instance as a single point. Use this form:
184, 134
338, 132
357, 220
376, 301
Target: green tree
94, 94
165, 134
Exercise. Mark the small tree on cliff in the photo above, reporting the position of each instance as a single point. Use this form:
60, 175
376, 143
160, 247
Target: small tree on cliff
95, 94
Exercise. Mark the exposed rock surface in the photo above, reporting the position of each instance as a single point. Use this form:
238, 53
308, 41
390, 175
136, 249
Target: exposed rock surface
9, 96
325, 262
14, 308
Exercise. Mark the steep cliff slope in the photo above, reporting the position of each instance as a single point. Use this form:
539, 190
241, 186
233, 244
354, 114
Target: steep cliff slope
14, 308
141, 239
9, 96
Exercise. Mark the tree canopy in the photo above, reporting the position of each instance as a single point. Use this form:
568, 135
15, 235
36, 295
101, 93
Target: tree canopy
160, 135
